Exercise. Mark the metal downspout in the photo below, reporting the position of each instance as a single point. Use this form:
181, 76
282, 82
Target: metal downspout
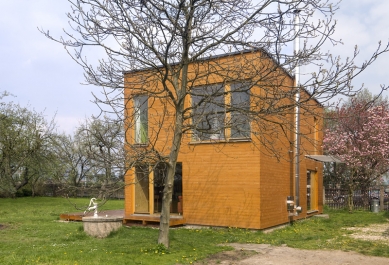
297, 110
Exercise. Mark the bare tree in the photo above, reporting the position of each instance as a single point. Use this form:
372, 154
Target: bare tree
171, 41
75, 165
102, 140
92, 160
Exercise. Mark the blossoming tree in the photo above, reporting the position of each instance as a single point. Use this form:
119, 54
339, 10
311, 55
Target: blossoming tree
359, 136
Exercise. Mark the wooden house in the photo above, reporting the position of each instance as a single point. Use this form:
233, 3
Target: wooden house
227, 177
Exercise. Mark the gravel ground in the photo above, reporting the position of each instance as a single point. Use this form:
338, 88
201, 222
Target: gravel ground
264, 254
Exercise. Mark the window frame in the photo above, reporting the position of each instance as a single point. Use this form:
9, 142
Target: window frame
226, 112
244, 131
312, 191
205, 99
141, 125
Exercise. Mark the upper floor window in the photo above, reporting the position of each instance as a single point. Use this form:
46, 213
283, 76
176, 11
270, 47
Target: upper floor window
141, 119
217, 113
209, 112
240, 107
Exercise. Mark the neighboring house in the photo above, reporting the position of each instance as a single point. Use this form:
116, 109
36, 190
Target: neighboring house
225, 176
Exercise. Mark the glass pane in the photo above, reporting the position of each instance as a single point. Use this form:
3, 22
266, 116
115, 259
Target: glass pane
160, 174
141, 189
209, 112
309, 190
141, 119
240, 103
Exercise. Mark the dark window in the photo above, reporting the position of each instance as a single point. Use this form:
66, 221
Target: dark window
160, 174
209, 112
240, 107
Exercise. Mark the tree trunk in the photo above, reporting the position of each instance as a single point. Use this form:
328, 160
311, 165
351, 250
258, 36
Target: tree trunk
166, 202
23, 182
350, 201
168, 191
103, 190
365, 196
181, 91
382, 196
104, 186
163, 237
33, 188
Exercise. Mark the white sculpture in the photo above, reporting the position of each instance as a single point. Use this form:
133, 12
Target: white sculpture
92, 206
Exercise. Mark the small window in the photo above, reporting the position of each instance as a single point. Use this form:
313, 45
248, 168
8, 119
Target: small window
240, 107
209, 112
141, 119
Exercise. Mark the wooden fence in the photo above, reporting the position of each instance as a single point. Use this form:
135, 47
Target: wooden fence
338, 198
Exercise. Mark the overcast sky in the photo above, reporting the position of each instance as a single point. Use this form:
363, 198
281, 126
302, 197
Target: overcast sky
41, 74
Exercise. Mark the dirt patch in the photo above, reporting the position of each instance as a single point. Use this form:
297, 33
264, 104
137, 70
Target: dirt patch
252, 254
2, 227
377, 232
231, 257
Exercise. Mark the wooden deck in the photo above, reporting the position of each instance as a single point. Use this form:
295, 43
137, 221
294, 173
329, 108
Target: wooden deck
78, 216
154, 219
132, 219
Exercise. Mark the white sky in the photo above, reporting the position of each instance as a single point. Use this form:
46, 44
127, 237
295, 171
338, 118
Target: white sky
41, 74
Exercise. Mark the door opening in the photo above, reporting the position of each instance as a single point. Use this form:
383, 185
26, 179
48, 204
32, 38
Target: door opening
141, 189
312, 191
160, 173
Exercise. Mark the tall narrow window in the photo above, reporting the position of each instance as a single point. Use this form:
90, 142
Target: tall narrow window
141, 119
315, 134
208, 112
312, 192
309, 191
240, 107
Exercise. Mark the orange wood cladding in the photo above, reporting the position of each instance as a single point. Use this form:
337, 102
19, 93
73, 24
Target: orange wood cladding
234, 183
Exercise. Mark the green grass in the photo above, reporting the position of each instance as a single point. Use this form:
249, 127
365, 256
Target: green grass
32, 234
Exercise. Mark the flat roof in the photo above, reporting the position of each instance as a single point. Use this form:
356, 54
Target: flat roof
324, 158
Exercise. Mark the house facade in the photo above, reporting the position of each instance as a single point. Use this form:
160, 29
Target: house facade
233, 169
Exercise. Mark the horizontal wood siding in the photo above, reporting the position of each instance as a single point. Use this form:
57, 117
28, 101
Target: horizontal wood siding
276, 185
221, 185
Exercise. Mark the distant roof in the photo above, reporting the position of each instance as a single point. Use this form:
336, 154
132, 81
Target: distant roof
324, 158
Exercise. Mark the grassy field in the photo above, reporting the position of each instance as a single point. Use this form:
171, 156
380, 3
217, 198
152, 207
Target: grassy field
30, 233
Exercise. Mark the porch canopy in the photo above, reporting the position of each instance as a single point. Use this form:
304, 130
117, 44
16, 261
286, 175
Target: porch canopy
324, 158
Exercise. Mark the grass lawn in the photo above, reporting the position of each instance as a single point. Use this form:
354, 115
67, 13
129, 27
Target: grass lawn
30, 233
